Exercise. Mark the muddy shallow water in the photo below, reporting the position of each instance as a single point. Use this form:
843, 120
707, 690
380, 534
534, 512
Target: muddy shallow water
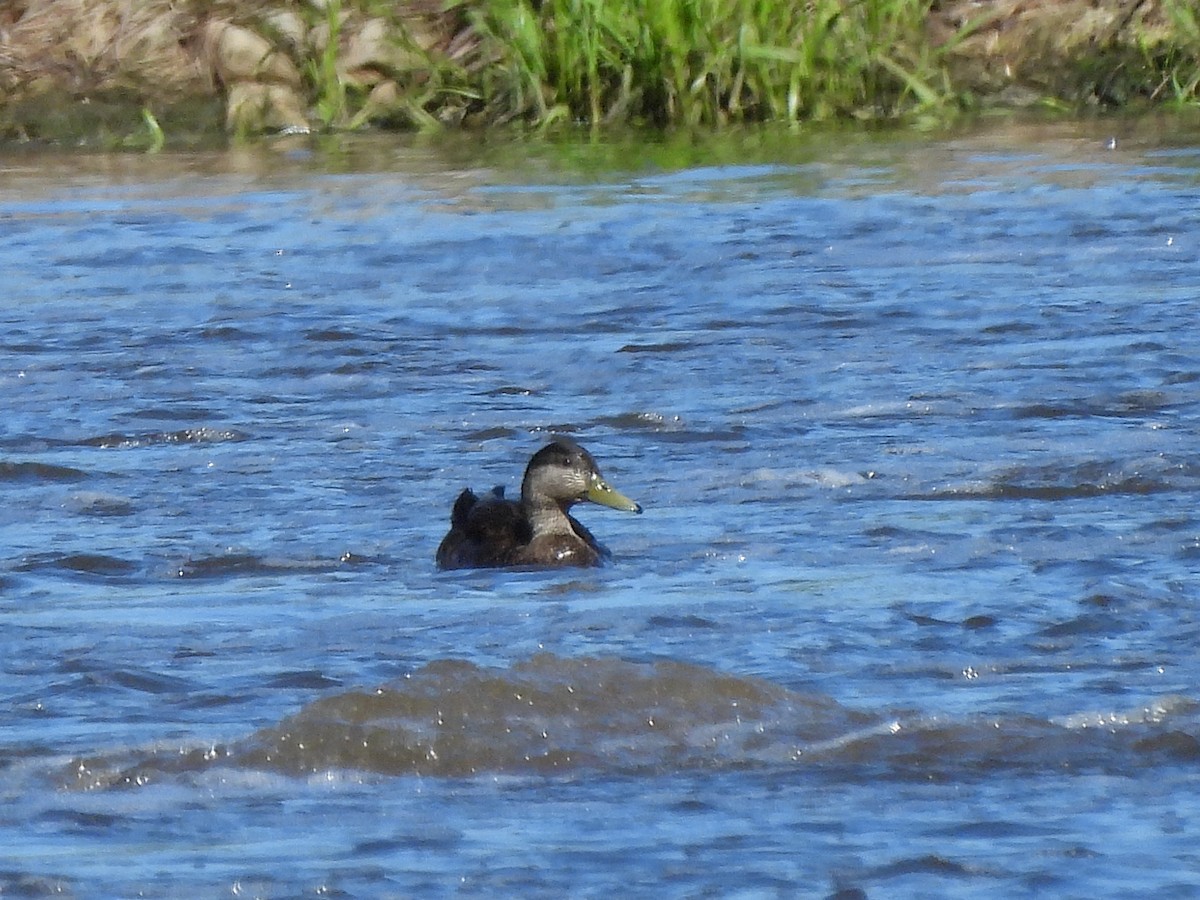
912, 610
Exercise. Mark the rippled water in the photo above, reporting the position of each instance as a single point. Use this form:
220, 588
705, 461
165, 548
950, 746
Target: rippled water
912, 610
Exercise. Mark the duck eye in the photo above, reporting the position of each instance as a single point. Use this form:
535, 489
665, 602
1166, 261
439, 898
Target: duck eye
565, 462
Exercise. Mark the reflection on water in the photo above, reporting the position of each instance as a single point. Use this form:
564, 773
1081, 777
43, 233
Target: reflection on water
911, 610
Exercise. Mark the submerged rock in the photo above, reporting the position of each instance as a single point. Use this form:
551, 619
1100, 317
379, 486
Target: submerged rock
252, 106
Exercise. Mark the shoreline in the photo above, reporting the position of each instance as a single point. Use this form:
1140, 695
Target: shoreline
144, 74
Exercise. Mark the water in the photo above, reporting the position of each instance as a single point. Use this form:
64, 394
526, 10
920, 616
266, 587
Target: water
912, 610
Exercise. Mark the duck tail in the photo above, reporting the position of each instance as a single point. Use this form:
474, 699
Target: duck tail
462, 508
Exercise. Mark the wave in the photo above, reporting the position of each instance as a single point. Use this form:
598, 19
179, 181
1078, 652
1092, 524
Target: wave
37, 471
98, 564
235, 564
201, 435
1093, 478
551, 715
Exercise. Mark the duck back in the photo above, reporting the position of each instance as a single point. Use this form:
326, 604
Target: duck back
484, 532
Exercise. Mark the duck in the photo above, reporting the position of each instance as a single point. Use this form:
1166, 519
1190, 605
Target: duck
538, 530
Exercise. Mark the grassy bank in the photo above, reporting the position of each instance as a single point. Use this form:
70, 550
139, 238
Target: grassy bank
135, 72
704, 62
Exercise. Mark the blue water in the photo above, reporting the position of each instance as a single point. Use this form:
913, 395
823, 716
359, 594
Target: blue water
912, 610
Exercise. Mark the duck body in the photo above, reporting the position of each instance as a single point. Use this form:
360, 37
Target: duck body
536, 531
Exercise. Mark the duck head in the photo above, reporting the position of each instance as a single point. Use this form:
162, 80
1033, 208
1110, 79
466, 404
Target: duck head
563, 473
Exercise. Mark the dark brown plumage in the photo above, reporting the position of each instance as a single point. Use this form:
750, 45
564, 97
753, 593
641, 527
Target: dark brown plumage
491, 531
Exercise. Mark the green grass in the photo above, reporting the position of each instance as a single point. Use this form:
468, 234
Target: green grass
707, 62
331, 102
156, 137
1182, 70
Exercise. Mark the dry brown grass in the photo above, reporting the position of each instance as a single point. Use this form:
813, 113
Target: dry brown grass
85, 46
1105, 51
93, 46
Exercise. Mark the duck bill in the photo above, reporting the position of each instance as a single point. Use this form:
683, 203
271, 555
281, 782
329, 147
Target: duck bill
600, 492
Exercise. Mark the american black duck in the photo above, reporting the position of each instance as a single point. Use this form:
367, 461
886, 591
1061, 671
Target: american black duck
491, 531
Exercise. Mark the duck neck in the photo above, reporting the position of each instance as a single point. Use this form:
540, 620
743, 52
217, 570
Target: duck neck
547, 516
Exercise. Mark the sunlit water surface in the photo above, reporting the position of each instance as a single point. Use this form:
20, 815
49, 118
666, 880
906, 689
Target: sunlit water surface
912, 610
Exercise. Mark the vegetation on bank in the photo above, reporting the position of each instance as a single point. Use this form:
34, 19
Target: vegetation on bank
139, 72
704, 62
